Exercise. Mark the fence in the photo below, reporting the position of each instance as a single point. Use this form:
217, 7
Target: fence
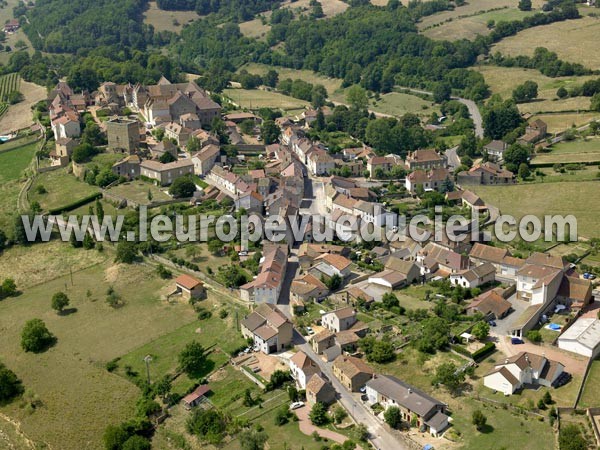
591, 413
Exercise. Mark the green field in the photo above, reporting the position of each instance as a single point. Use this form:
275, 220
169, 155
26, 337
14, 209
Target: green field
398, 104
561, 121
578, 151
137, 191
588, 173
539, 199
591, 391
168, 20
70, 379
62, 189
258, 98
569, 39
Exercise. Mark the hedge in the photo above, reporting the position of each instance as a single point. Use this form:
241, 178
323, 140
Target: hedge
463, 351
76, 204
484, 351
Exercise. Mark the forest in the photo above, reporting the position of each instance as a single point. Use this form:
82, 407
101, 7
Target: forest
239, 10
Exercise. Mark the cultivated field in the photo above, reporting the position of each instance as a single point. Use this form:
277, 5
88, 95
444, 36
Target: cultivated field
19, 116
257, 29
62, 189
561, 121
569, 39
69, 379
168, 20
258, 98
579, 199
571, 152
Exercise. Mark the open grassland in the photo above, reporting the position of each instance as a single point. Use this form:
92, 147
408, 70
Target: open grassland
138, 191
561, 121
591, 391
587, 173
398, 104
503, 80
69, 379
471, 19
62, 189
539, 199
259, 27
331, 84
168, 20
258, 98
569, 39
578, 151
39, 263
15, 158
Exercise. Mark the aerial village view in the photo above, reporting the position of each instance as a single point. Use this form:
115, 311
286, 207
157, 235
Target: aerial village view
299, 224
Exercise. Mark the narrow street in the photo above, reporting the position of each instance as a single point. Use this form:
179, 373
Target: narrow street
381, 438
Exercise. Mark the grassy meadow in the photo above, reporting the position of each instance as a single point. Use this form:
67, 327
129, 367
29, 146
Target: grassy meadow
168, 20
578, 151
258, 98
62, 188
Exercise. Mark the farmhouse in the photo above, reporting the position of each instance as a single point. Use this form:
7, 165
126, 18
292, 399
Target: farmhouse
474, 277
165, 174
583, 337
389, 391
340, 319
491, 304
318, 389
535, 132
189, 287
270, 330
425, 160
486, 174
495, 150
352, 372
302, 368
522, 369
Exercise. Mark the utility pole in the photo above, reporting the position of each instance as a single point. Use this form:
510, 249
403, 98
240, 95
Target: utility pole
147, 360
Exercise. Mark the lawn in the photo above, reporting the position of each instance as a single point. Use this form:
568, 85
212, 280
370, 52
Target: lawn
258, 98
138, 190
62, 189
540, 199
569, 39
591, 390
398, 104
578, 151
168, 20
70, 379
15, 158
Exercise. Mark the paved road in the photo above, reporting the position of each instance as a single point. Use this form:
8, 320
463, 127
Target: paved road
470, 104
380, 436
453, 158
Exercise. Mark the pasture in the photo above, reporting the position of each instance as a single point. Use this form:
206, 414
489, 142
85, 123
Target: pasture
69, 379
578, 151
258, 98
138, 191
558, 122
15, 157
539, 199
569, 39
62, 189
259, 27
398, 104
168, 20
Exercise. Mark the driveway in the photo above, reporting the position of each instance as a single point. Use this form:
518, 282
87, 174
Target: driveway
453, 158
379, 435
504, 326
308, 428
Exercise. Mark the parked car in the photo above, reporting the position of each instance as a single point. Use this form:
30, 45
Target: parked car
309, 330
296, 405
363, 389
516, 341
492, 323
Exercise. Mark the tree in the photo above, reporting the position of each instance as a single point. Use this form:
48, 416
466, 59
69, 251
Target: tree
339, 414
166, 158
60, 301
449, 375
534, 336
356, 96
3, 240
525, 5
10, 385
479, 420
515, 155
547, 398
318, 96
35, 337
524, 171
8, 288
334, 282
114, 437
378, 351
501, 118
318, 414
269, 132
562, 92
192, 359
182, 187
136, 442
525, 92
595, 105
282, 416
393, 417
209, 424
99, 211
481, 330
126, 252
434, 335
271, 78
442, 92
389, 300
252, 439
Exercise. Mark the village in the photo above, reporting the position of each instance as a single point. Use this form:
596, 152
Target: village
309, 300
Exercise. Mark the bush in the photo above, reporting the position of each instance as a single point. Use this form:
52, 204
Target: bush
35, 337
484, 351
534, 336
